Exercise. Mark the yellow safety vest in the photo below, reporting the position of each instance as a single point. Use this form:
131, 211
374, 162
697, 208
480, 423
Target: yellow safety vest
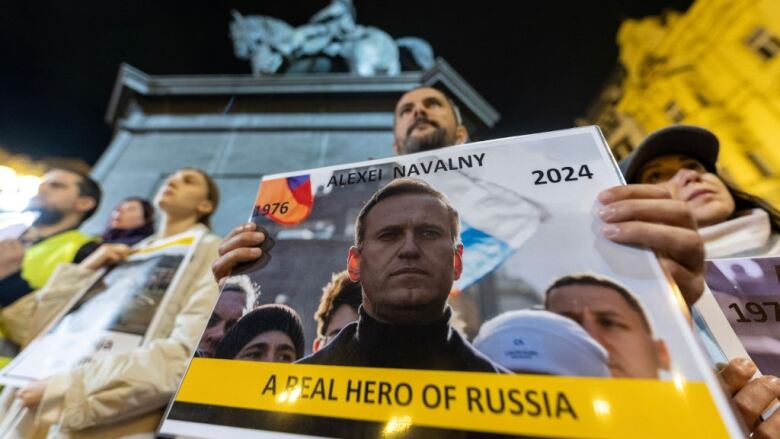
41, 259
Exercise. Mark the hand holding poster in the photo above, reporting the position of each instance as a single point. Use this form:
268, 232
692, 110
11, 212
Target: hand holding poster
495, 242
110, 317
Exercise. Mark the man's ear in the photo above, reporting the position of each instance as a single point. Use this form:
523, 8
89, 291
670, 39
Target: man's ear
353, 264
663, 354
461, 135
316, 345
85, 204
457, 262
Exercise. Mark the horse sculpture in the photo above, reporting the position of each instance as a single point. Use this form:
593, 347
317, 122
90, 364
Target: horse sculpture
271, 44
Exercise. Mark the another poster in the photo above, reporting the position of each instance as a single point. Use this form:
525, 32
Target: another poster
13, 224
747, 291
541, 326
110, 317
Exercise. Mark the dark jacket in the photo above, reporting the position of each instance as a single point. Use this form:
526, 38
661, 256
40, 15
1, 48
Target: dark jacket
371, 343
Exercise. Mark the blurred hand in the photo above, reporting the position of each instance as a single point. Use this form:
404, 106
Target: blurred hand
11, 256
242, 244
753, 397
105, 255
646, 215
32, 393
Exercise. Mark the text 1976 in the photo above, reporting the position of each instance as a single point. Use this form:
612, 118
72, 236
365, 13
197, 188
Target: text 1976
272, 208
761, 312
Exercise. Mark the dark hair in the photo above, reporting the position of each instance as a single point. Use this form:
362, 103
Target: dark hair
746, 201
212, 195
132, 236
147, 207
87, 188
589, 279
262, 319
405, 186
341, 290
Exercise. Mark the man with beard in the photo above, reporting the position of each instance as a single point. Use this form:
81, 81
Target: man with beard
65, 200
426, 119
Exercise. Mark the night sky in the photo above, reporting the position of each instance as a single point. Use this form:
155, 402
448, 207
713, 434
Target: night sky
538, 63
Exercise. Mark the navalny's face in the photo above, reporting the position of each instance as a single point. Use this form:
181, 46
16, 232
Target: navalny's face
406, 261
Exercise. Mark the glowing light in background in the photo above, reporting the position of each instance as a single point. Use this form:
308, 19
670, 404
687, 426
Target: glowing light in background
16, 190
397, 425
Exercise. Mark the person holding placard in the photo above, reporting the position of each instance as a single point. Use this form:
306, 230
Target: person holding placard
65, 199
125, 393
682, 159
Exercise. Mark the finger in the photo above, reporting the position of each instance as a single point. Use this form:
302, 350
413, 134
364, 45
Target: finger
241, 228
245, 239
123, 251
224, 264
691, 284
754, 398
684, 246
737, 374
769, 428
633, 191
672, 212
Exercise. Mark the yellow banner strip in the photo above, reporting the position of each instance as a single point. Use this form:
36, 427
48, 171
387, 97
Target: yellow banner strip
185, 241
515, 404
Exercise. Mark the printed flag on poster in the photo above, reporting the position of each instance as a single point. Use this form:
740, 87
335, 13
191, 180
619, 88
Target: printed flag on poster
286, 201
491, 234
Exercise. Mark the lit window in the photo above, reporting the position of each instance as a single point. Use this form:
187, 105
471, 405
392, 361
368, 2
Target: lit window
674, 112
763, 167
764, 43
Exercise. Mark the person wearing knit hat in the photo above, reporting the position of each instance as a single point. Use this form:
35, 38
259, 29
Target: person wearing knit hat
270, 333
541, 342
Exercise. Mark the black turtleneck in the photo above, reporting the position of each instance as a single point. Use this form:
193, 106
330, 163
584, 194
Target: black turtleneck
371, 343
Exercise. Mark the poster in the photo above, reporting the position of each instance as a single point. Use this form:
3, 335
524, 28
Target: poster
747, 294
109, 317
540, 327
13, 224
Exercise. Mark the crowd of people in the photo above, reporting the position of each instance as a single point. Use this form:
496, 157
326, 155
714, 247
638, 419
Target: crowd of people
674, 204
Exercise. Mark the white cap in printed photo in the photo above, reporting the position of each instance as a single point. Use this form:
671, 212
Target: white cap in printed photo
536, 341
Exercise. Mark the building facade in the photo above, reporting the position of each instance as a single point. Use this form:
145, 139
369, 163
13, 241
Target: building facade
716, 65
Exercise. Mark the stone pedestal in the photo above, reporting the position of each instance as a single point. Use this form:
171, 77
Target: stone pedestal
239, 128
